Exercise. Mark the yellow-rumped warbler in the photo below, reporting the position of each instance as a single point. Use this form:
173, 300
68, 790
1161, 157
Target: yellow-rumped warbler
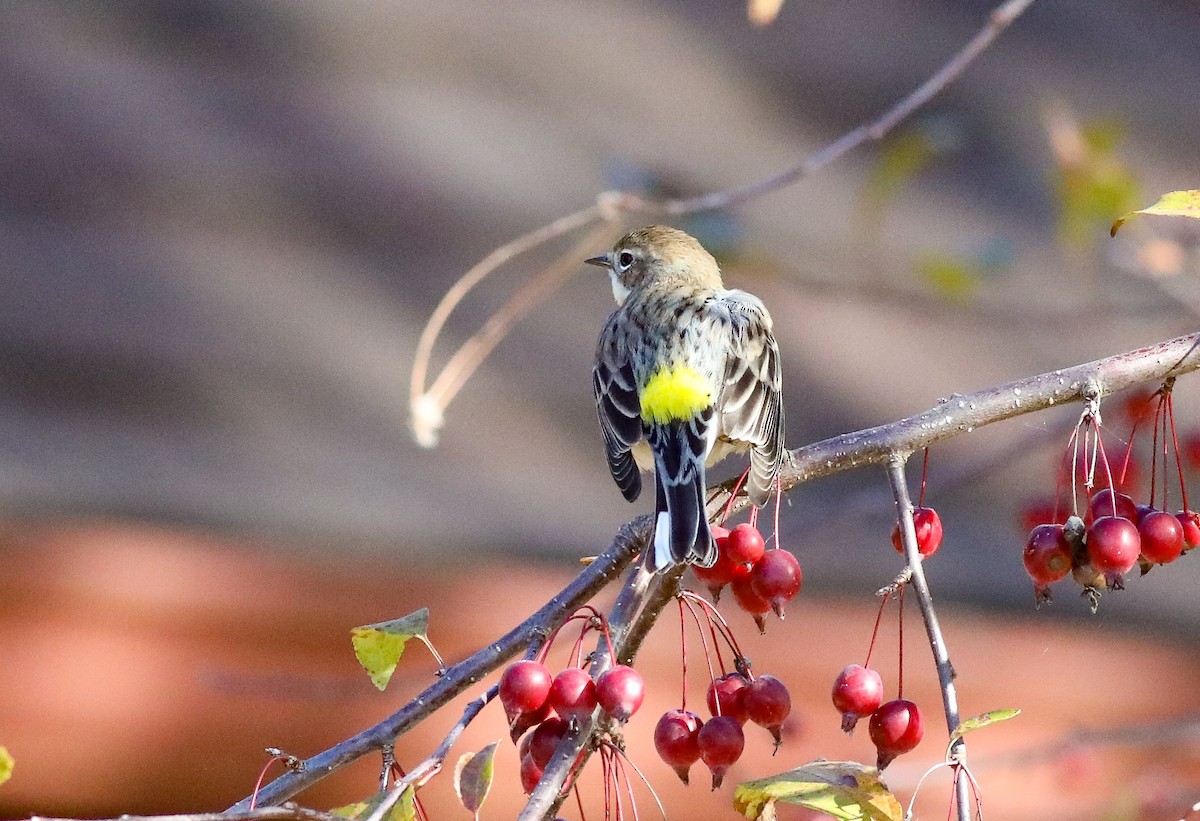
687, 371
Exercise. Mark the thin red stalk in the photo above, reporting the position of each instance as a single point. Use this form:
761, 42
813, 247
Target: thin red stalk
1129, 450
703, 638
900, 676
924, 471
579, 802
261, 776
875, 632
717, 646
733, 494
541, 655
1107, 470
1178, 460
682, 655
1154, 456
713, 613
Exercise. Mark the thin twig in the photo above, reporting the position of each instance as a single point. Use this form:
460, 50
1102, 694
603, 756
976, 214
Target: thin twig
941, 655
631, 539
427, 406
432, 765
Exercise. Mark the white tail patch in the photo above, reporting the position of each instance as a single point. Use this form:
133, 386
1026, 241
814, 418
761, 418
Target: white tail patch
662, 542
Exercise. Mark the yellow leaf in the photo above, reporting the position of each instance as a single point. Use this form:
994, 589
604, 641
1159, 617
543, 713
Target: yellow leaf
6, 765
843, 789
403, 810
379, 646
473, 777
1174, 204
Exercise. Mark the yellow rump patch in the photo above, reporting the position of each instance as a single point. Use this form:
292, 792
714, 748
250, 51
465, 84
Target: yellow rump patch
674, 393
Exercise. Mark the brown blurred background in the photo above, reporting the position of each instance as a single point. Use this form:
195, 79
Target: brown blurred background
223, 224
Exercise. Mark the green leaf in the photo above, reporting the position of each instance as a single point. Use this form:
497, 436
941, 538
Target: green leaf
380, 646
981, 721
473, 777
6, 764
842, 789
1174, 204
403, 810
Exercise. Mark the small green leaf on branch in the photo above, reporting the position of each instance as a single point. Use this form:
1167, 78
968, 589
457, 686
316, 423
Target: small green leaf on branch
1173, 204
843, 789
980, 721
473, 777
403, 810
380, 646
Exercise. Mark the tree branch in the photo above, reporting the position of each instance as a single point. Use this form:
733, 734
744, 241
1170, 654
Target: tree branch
628, 542
963, 413
941, 654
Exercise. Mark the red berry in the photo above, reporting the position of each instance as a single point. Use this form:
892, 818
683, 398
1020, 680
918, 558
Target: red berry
857, 692
1105, 501
895, 728
1047, 555
1190, 520
725, 696
721, 573
543, 741
531, 774
1162, 537
777, 579
751, 602
721, 743
677, 739
573, 693
767, 703
620, 691
1113, 546
524, 687
744, 547
929, 531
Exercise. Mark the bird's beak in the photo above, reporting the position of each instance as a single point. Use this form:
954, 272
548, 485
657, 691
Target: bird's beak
600, 261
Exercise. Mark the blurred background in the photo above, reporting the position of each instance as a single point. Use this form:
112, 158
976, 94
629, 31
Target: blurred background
223, 225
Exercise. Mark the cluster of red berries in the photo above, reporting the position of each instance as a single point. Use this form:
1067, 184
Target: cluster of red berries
530, 694
682, 738
1114, 534
762, 580
895, 727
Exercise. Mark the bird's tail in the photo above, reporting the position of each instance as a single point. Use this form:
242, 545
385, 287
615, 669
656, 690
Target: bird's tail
681, 532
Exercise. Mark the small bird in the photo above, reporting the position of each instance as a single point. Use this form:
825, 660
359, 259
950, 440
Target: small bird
687, 372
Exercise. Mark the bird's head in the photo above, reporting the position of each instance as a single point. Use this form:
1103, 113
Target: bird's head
657, 254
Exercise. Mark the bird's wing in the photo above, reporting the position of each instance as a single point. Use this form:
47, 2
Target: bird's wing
751, 399
619, 408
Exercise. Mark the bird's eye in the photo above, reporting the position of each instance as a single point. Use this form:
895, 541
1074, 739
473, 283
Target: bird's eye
624, 260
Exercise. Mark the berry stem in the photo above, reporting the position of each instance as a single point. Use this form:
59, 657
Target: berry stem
682, 655
924, 472
733, 494
1178, 460
714, 616
875, 632
700, 630
900, 619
